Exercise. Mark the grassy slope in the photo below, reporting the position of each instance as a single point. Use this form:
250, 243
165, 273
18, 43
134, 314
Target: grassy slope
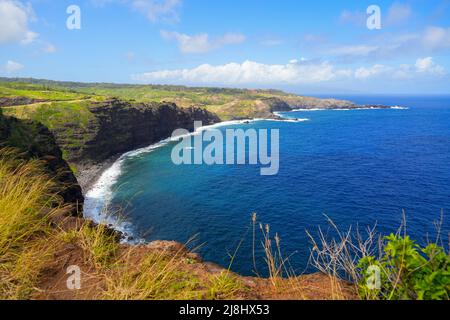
227, 103
71, 117
35, 91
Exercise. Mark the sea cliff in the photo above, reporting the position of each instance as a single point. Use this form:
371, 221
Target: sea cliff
34, 140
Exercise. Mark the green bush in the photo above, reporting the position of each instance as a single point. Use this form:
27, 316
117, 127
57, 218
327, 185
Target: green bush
406, 271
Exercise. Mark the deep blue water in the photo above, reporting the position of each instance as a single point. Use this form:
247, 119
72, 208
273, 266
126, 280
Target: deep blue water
357, 167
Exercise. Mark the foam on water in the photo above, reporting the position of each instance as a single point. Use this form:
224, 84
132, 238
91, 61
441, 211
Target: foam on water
348, 109
100, 195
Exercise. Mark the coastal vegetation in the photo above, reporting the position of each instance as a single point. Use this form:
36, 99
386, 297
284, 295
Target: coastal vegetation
385, 267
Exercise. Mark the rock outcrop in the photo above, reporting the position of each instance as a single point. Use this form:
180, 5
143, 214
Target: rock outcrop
101, 131
277, 105
301, 102
120, 126
34, 140
17, 101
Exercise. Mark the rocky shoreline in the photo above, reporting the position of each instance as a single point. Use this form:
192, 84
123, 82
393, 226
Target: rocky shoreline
89, 173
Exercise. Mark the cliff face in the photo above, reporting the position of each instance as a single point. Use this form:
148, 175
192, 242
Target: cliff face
36, 141
88, 133
277, 105
117, 127
120, 126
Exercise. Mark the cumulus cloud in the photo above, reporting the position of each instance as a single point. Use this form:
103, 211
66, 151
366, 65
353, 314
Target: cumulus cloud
368, 72
248, 72
293, 73
422, 67
154, 10
201, 43
427, 65
14, 19
13, 67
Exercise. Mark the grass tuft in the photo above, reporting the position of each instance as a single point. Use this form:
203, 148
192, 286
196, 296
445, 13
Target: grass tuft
27, 202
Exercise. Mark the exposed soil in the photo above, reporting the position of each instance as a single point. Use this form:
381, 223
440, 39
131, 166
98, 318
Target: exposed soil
53, 285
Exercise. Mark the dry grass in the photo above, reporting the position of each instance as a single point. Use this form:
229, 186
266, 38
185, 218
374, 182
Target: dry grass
99, 243
281, 273
27, 202
155, 277
29, 242
338, 256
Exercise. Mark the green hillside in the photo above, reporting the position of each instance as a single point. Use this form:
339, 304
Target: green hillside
225, 102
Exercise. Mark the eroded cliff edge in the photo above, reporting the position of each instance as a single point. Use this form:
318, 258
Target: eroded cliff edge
96, 136
120, 126
34, 140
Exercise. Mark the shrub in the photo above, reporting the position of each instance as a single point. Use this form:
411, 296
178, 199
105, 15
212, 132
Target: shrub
406, 271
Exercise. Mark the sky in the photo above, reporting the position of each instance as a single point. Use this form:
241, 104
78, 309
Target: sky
319, 47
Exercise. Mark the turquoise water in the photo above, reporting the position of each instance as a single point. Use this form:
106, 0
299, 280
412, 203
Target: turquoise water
357, 167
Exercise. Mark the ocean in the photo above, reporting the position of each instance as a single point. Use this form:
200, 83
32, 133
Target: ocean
357, 167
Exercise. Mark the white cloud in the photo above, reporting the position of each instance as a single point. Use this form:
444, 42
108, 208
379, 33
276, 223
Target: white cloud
14, 19
424, 64
248, 72
293, 73
422, 67
375, 70
427, 65
13, 67
154, 10
201, 43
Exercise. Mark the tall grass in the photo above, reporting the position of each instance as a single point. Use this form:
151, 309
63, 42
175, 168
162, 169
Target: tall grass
29, 241
99, 244
27, 202
156, 277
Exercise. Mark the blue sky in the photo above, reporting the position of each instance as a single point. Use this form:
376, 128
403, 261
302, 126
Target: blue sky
299, 46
